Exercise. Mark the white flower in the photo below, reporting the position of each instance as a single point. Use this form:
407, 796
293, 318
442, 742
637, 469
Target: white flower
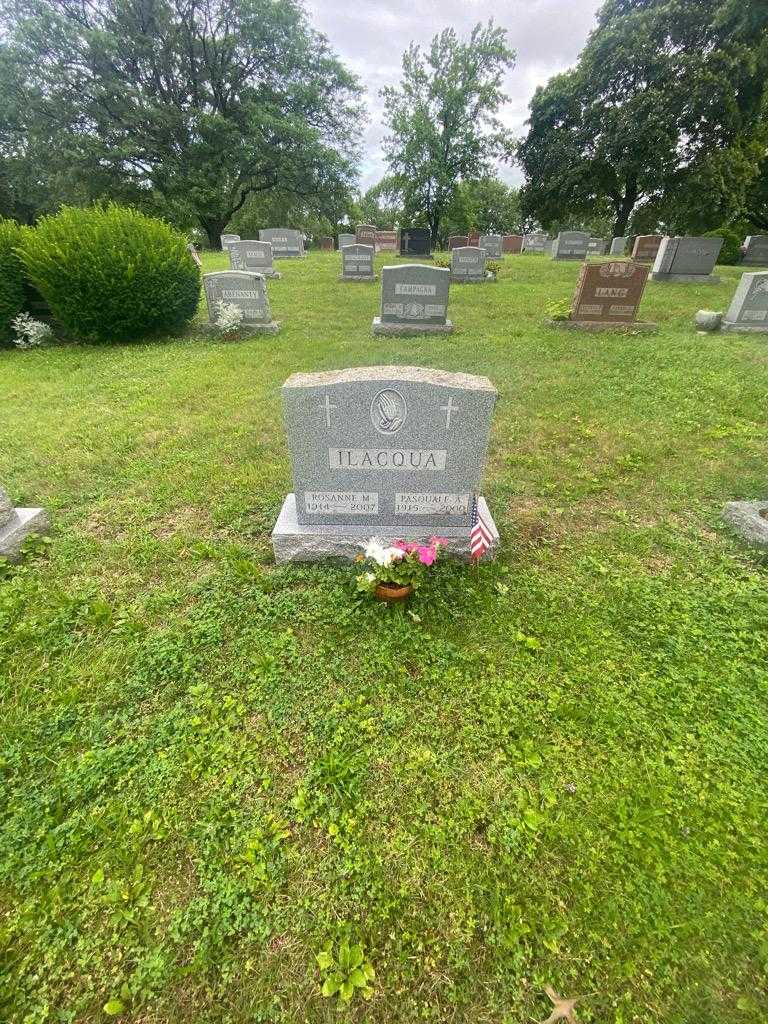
229, 317
370, 576
376, 551
29, 332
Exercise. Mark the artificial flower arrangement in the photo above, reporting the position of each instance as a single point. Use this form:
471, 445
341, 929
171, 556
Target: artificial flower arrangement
396, 570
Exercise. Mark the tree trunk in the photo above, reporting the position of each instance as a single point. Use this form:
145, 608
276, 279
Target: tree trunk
213, 227
623, 209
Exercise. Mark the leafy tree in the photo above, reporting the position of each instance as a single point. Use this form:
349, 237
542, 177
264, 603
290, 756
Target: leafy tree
488, 205
192, 105
662, 112
442, 119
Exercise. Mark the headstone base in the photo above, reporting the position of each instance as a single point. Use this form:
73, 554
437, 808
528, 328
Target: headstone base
287, 256
405, 329
372, 277
602, 325
743, 328
473, 280
746, 518
687, 278
294, 543
273, 275
24, 522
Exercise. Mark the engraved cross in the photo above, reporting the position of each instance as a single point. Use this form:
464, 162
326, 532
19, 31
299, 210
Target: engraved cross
449, 409
328, 406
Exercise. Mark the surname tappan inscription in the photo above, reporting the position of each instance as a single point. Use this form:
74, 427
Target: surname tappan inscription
387, 447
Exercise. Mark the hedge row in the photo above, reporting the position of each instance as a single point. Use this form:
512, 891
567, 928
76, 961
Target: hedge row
106, 273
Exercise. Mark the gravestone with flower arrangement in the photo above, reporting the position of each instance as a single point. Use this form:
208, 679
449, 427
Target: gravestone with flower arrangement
389, 452
242, 292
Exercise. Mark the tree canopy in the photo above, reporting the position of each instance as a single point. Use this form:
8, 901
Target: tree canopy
189, 105
663, 117
442, 119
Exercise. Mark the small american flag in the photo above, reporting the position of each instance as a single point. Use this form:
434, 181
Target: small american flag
193, 254
480, 537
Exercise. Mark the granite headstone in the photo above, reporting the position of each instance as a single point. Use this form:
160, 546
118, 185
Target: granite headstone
287, 243
468, 264
252, 255
346, 238
748, 311
534, 241
597, 246
387, 241
457, 240
687, 259
414, 300
608, 293
756, 251
512, 244
16, 524
365, 234
415, 242
228, 239
326, 243
244, 289
386, 451
618, 245
357, 263
646, 248
492, 245
570, 245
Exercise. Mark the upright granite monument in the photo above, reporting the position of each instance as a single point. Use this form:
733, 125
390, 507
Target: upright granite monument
756, 250
492, 245
387, 241
357, 263
416, 242
512, 244
386, 451
473, 238
468, 265
346, 238
646, 248
326, 243
227, 240
365, 234
534, 241
597, 246
414, 300
250, 255
570, 245
687, 260
608, 295
748, 311
455, 241
618, 245
16, 524
287, 243
244, 289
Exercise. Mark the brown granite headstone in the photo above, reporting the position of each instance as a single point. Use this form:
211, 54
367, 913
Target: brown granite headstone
646, 248
473, 238
512, 244
609, 293
457, 241
326, 243
386, 241
365, 234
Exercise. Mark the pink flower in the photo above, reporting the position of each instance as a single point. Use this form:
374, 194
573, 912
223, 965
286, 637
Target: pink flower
427, 555
400, 545
438, 542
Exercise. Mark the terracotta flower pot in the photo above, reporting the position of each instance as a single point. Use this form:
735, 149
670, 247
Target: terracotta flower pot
393, 591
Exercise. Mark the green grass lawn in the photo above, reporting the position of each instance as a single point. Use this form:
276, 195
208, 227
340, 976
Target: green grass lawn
549, 770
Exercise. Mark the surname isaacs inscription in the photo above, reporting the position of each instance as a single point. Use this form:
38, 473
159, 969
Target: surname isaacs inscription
385, 448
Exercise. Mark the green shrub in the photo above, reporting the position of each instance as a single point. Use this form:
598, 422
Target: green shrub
730, 254
12, 292
111, 273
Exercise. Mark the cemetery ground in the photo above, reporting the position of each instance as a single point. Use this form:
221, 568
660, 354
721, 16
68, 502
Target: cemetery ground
547, 770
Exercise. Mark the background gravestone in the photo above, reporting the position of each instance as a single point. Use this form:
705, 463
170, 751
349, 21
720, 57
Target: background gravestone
512, 244
468, 264
357, 263
365, 234
597, 247
570, 245
252, 255
756, 250
618, 245
228, 239
646, 248
414, 300
16, 524
287, 243
492, 245
457, 240
244, 289
326, 243
386, 451
473, 238
346, 239
415, 242
748, 311
608, 294
687, 259
534, 241
386, 241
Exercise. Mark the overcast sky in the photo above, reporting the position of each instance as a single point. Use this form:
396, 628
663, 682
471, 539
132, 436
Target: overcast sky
371, 35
